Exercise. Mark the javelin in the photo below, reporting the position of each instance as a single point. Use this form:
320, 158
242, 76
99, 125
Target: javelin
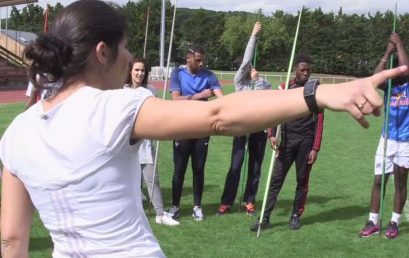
386, 130
247, 136
155, 162
255, 49
273, 155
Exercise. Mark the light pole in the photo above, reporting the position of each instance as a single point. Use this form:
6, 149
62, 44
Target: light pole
162, 36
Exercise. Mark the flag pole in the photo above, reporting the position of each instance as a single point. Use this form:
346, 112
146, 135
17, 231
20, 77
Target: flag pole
146, 30
155, 162
45, 27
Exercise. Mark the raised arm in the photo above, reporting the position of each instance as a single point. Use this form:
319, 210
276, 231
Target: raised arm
390, 48
245, 65
243, 112
400, 49
251, 44
16, 217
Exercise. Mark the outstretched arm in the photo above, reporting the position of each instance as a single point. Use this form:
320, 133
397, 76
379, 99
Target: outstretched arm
250, 111
16, 217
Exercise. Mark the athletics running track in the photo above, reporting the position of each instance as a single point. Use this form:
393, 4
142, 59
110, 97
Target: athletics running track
14, 95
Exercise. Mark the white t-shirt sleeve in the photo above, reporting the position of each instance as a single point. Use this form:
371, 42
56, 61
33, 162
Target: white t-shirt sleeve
115, 116
102, 122
6, 147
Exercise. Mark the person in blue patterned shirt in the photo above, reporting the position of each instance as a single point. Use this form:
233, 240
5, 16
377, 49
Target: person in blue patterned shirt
397, 149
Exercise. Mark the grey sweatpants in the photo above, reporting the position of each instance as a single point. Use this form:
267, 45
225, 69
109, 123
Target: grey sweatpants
157, 202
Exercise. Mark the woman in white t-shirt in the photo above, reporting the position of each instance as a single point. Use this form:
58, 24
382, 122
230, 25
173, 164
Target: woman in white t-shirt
73, 155
138, 77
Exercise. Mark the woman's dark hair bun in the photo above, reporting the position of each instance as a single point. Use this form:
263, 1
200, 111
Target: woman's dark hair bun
49, 55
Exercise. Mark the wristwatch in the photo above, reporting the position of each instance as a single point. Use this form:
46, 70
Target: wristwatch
310, 89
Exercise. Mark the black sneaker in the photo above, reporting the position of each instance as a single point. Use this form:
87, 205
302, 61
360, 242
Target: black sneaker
294, 222
174, 212
264, 225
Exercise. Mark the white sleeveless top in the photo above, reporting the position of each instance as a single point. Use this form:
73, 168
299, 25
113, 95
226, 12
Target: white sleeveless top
82, 174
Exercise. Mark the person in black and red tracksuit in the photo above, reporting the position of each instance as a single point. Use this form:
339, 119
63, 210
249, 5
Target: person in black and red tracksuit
300, 143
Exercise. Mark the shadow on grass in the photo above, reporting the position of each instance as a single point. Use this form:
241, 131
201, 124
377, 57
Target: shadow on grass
341, 213
186, 206
313, 199
40, 243
284, 208
187, 191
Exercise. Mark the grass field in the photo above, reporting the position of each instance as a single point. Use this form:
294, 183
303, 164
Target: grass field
336, 209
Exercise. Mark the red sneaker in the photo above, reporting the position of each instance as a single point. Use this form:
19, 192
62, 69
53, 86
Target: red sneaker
250, 208
369, 229
392, 230
223, 209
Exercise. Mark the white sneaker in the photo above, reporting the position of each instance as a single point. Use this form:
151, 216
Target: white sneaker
197, 213
166, 219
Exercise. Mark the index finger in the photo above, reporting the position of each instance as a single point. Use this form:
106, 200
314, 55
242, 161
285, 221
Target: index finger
381, 77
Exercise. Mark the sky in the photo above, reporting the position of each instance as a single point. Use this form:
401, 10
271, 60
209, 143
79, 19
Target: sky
269, 6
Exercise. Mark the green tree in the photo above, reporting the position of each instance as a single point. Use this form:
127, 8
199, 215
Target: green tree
31, 17
202, 28
235, 36
137, 14
339, 43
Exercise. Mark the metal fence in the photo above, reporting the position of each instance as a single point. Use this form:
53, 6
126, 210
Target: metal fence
158, 73
282, 77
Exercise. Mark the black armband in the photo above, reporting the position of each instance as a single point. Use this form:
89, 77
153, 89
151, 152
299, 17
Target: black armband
310, 89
